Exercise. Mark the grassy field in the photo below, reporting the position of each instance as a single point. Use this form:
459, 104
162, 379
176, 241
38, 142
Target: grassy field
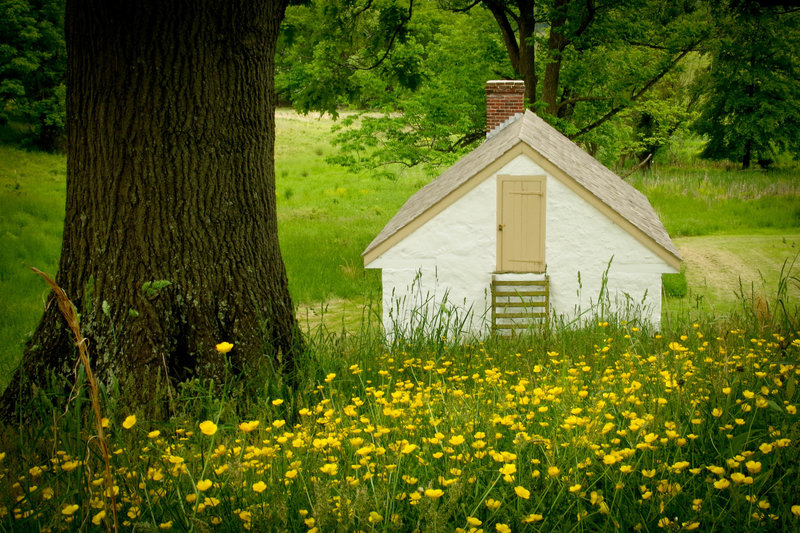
725, 223
608, 428
604, 428
32, 188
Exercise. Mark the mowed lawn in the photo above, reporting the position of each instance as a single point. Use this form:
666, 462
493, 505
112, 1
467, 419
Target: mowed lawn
721, 268
727, 224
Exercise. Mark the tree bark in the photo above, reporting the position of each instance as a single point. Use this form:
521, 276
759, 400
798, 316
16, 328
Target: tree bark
556, 43
170, 240
518, 39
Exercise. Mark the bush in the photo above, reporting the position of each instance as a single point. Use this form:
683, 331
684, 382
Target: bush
675, 285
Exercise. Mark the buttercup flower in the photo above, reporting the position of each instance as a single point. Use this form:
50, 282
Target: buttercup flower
522, 492
224, 347
129, 422
208, 427
69, 509
434, 493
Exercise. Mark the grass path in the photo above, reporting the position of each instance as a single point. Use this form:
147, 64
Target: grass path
715, 264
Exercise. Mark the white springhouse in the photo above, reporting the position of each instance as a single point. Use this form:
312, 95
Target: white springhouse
525, 227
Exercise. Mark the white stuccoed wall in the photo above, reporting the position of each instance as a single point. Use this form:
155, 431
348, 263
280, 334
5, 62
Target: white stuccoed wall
453, 256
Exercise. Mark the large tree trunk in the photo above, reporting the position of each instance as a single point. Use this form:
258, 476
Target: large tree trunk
170, 239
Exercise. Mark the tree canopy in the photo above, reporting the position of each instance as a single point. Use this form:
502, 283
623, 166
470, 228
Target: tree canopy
619, 76
752, 88
32, 69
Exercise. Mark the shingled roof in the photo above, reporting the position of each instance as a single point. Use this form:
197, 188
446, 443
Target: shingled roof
564, 154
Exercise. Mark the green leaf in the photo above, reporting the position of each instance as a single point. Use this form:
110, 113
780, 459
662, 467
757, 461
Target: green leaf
152, 288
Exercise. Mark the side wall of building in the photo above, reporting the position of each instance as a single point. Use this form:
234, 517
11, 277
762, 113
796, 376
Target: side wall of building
439, 276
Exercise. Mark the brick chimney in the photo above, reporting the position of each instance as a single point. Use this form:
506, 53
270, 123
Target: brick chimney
505, 99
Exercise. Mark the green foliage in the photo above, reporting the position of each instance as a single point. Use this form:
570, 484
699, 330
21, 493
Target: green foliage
151, 288
32, 70
441, 120
675, 285
331, 54
752, 112
609, 61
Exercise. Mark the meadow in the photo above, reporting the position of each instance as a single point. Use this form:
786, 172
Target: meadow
729, 224
604, 427
612, 427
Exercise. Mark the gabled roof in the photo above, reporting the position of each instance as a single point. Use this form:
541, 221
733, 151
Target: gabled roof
559, 156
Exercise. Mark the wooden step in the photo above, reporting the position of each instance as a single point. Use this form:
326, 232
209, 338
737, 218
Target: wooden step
525, 303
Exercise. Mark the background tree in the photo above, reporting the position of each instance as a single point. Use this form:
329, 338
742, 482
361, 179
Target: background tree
334, 53
583, 63
170, 240
752, 107
32, 68
445, 114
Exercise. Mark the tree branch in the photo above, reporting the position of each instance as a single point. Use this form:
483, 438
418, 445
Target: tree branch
602, 120
583, 99
637, 166
465, 9
389, 46
509, 36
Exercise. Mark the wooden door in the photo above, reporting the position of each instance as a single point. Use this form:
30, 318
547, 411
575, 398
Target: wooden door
520, 223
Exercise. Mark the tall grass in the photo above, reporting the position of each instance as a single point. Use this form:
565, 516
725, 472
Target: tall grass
716, 201
604, 427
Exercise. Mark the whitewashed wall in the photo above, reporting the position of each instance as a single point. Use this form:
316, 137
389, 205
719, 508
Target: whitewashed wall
450, 259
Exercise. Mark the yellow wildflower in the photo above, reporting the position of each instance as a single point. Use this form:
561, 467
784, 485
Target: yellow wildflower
434, 493
69, 466
259, 487
522, 492
129, 422
408, 448
738, 477
247, 427
69, 509
224, 347
204, 485
492, 504
722, 484
508, 469
455, 441
330, 468
208, 428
